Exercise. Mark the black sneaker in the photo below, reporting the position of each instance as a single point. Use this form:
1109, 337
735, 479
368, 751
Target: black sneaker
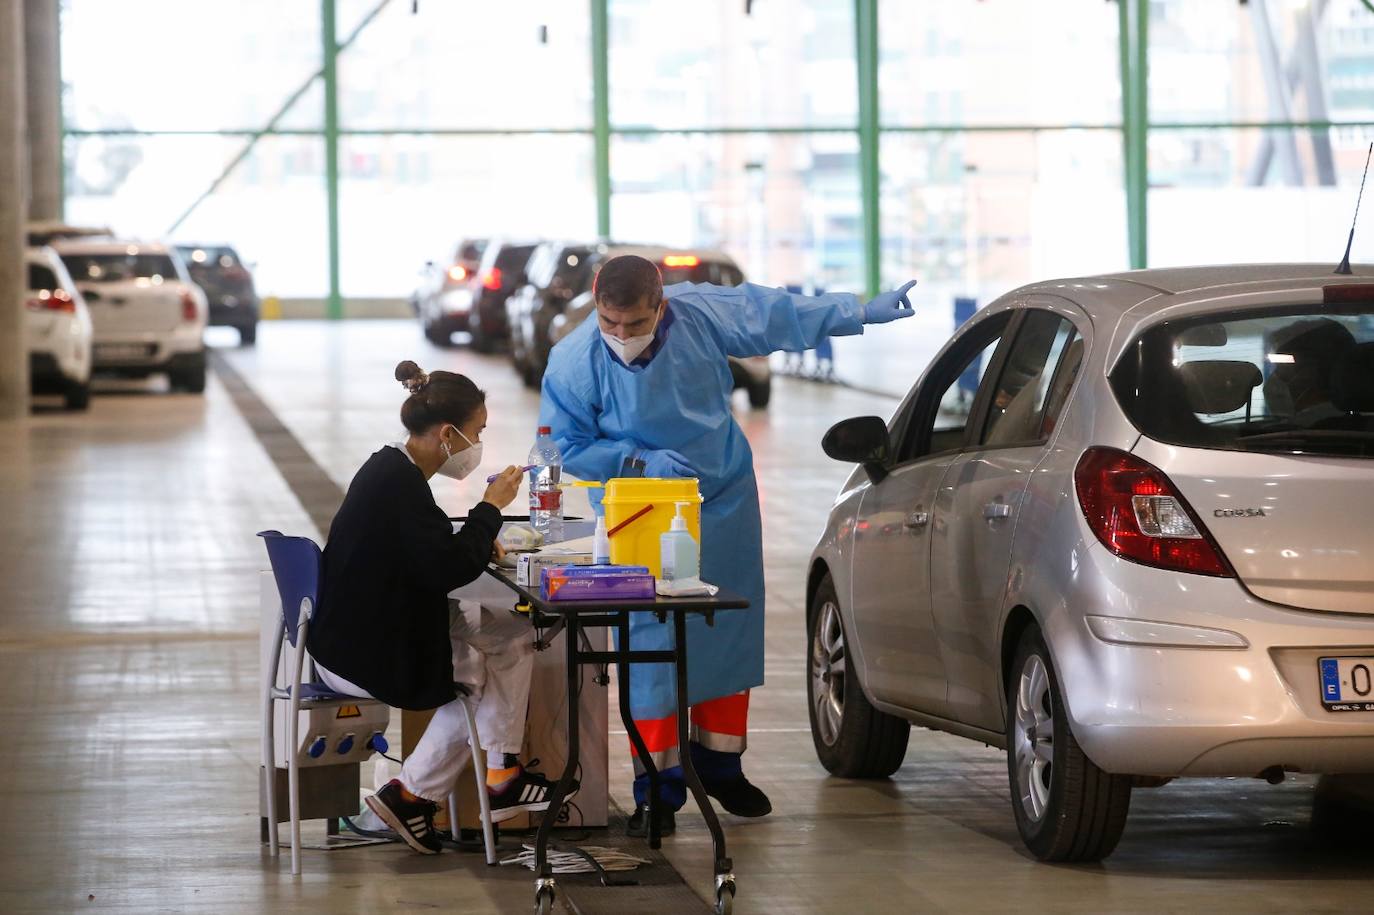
528, 792
740, 797
412, 820
638, 826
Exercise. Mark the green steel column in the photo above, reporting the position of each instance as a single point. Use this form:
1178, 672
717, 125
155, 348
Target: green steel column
601, 115
1135, 32
331, 152
866, 29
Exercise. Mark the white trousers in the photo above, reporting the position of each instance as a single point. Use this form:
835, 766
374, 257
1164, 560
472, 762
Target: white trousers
493, 656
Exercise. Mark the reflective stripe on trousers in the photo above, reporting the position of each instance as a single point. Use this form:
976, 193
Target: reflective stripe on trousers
719, 724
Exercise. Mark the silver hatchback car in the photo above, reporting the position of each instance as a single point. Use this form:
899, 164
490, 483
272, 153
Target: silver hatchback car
1122, 527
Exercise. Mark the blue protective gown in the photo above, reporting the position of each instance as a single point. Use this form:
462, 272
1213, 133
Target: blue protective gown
677, 397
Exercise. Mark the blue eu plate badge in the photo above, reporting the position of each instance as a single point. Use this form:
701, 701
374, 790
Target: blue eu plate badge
1331, 680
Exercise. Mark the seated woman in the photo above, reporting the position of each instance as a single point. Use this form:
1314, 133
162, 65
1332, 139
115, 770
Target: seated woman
387, 629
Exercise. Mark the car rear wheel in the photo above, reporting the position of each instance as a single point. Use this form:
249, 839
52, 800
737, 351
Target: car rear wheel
438, 334
1066, 808
190, 379
77, 395
760, 392
852, 738
248, 334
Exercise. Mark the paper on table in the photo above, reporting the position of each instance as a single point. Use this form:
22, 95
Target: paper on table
691, 587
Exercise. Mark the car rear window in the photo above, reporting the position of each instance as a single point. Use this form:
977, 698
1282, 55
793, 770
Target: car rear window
41, 277
1297, 380
112, 268
513, 257
209, 257
706, 272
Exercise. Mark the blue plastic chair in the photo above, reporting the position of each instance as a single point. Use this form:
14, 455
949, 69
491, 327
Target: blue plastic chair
296, 566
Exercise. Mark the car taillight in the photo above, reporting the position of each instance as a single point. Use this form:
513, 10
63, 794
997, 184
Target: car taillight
492, 279
1137, 513
189, 312
681, 260
457, 273
54, 300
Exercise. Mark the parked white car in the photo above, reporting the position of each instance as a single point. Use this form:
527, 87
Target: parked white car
59, 330
149, 316
1122, 529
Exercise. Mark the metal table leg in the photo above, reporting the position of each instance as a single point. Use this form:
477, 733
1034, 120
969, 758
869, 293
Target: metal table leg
725, 878
544, 886
636, 739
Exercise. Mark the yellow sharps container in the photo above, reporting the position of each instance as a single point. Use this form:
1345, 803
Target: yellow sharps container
645, 507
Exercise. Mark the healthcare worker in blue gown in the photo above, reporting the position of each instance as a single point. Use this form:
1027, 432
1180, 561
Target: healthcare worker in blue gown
649, 379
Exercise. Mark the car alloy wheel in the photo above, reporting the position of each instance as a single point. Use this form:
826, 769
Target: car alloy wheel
1034, 738
829, 664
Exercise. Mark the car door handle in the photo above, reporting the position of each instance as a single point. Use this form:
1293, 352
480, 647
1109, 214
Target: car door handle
916, 520
995, 511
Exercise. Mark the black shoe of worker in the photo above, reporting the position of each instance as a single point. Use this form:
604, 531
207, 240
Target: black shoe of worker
413, 821
740, 797
528, 792
638, 827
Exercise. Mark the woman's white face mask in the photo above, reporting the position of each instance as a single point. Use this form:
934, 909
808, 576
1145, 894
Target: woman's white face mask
460, 463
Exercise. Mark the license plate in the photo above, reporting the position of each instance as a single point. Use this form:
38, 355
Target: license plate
1347, 684
113, 352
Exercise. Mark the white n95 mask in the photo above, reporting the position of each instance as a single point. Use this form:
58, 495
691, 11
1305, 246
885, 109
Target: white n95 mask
628, 350
460, 463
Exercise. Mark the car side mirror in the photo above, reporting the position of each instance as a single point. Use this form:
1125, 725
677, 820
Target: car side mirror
861, 440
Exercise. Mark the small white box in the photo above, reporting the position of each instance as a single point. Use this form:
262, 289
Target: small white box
528, 566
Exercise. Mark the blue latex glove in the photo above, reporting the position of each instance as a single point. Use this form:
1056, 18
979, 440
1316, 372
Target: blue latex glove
888, 306
666, 464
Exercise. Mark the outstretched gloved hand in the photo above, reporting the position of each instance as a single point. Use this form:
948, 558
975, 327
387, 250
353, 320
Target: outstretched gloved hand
888, 306
666, 464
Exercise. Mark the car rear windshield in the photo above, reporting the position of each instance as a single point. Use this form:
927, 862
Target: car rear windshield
113, 268
513, 257
209, 257
1298, 381
42, 278
706, 272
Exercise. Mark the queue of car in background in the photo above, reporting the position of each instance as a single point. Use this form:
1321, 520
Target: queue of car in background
475, 301
228, 286
439, 277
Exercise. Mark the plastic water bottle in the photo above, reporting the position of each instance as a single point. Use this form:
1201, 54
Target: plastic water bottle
546, 498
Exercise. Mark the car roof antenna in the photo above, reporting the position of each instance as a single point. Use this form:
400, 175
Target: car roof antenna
1344, 268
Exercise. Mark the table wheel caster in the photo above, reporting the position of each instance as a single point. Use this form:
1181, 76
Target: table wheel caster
543, 898
725, 894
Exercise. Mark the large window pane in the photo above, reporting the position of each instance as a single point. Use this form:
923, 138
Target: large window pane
952, 62
785, 206
271, 208
177, 65
976, 214
407, 199
711, 64
1278, 60
466, 65
1246, 195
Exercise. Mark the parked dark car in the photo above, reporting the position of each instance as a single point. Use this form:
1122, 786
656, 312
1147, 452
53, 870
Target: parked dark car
477, 304
438, 277
677, 265
557, 272
228, 286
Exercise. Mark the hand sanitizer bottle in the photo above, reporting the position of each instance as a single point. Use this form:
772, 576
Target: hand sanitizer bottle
601, 544
678, 552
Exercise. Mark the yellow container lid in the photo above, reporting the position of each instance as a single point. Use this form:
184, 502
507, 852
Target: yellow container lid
641, 490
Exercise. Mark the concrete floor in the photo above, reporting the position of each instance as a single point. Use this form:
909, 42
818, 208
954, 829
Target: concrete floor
128, 671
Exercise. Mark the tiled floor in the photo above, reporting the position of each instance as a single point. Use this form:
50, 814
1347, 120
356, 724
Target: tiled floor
128, 667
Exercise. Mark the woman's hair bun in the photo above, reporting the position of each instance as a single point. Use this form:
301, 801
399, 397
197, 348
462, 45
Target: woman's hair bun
412, 376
